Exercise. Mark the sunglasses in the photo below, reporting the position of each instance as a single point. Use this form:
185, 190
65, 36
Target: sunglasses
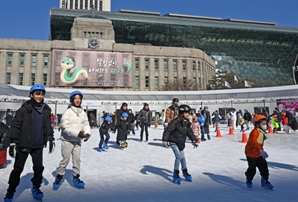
39, 93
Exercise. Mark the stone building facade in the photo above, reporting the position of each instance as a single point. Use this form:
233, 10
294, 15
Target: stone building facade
26, 62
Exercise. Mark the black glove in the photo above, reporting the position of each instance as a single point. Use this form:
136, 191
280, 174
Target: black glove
13, 150
195, 145
87, 136
128, 132
81, 134
52, 146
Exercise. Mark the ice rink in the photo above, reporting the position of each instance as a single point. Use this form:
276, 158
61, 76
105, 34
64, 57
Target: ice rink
143, 171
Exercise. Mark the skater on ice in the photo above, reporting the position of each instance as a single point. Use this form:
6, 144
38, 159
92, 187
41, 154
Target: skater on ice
75, 127
29, 133
122, 128
145, 118
105, 127
255, 154
172, 111
175, 137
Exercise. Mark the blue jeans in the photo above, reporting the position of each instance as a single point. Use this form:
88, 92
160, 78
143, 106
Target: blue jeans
103, 139
180, 158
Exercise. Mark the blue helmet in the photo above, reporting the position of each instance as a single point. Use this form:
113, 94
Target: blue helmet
76, 92
124, 114
246, 110
9, 113
108, 119
37, 87
206, 107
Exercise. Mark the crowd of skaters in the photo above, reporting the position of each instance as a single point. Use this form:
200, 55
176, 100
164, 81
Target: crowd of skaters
31, 129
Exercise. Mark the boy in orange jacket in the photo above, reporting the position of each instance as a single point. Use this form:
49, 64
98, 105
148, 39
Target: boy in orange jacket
255, 154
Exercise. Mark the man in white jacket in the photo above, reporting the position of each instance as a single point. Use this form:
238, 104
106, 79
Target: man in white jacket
233, 118
75, 127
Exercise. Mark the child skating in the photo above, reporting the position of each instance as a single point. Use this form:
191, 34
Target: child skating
123, 129
255, 154
195, 126
175, 137
105, 127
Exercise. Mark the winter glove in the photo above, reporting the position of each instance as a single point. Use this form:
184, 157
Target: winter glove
13, 150
264, 154
52, 146
81, 134
165, 144
195, 145
87, 137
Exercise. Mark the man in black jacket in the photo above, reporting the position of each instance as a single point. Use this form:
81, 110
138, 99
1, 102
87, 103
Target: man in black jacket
145, 118
131, 117
207, 122
29, 133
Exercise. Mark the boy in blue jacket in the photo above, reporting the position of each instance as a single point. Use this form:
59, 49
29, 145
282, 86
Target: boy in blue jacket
105, 127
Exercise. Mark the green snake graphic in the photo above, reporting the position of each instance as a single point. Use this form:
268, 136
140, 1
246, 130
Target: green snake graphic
128, 66
68, 63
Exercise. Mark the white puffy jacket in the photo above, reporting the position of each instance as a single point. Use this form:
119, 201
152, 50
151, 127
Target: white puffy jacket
73, 121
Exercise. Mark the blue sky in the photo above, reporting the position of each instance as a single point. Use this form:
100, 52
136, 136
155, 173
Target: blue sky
29, 19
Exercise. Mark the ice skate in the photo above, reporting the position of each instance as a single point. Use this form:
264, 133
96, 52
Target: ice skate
176, 177
186, 175
9, 196
266, 184
57, 182
37, 193
208, 136
249, 184
77, 182
99, 149
105, 146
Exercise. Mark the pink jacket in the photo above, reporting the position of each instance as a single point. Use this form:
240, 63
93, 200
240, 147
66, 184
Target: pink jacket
195, 126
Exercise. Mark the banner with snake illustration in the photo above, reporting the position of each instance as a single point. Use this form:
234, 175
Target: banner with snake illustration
91, 69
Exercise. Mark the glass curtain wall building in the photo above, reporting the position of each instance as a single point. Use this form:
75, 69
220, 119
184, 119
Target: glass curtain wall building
257, 51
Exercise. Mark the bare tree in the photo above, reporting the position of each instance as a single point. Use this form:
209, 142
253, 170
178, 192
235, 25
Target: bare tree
180, 85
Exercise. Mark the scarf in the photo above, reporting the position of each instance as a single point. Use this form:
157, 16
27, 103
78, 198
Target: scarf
38, 106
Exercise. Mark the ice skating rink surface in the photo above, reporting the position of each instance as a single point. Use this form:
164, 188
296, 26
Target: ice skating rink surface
143, 171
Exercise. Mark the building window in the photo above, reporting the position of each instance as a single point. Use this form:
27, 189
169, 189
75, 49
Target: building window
91, 4
86, 60
146, 64
147, 81
175, 79
194, 80
137, 82
9, 59
8, 77
184, 81
45, 79
21, 75
184, 65
100, 5
57, 78
156, 82
45, 60
33, 61
113, 79
137, 63
194, 65
199, 66
32, 78
125, 79
71, 5
175, 65
96, 5
156, 64
166, 80
199, 82
86, 5
165, 65
22, 59
76, 4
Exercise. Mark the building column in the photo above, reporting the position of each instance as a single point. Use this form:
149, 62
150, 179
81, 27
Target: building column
68, 4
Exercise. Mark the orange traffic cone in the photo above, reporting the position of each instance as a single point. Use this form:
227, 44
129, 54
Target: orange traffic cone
244, 137
231, 132
270, 128
218, 134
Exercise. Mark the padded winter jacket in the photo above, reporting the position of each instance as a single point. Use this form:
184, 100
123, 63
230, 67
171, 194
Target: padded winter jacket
122, 126
73, 121
177, 131
145, 116
105, 127
255, 143
20, 131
